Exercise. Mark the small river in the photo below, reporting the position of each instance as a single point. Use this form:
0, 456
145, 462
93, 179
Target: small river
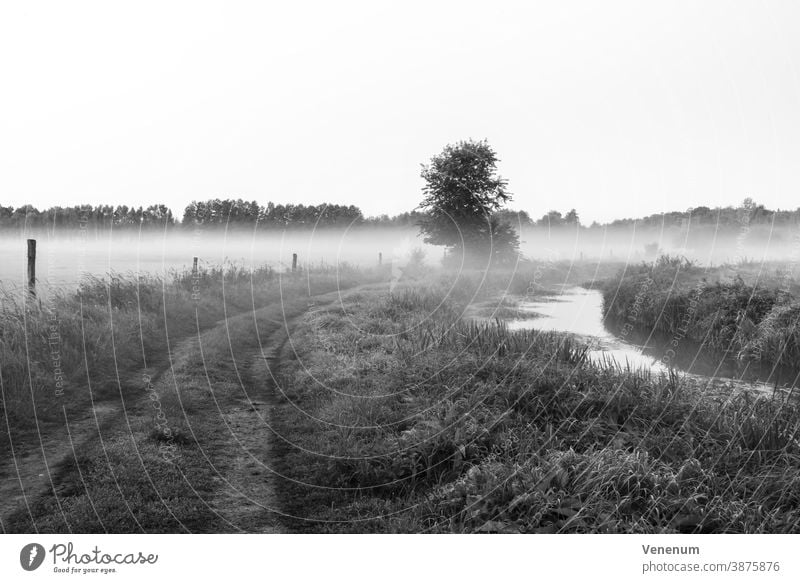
579, 311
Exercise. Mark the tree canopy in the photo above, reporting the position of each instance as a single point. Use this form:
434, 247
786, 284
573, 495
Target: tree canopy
462, 195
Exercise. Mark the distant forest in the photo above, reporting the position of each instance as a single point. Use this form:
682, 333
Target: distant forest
230, 213
215, 213
748, 213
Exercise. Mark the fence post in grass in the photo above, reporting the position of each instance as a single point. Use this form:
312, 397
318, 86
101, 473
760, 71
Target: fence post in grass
294, 262
32, 268
195, 281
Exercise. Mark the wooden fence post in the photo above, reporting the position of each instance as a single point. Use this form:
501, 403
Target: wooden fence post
32, 267
195, 281
294, 261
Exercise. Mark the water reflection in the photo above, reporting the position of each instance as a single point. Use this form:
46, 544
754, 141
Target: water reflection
579, 311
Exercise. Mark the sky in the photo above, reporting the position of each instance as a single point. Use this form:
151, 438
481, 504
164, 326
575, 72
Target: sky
617, 109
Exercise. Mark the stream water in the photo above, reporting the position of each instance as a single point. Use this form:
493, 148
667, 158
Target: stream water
579, 311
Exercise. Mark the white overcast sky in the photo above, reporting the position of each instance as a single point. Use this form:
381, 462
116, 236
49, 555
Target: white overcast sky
616, 109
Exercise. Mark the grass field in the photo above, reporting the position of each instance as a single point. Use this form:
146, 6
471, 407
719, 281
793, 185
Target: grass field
390, 412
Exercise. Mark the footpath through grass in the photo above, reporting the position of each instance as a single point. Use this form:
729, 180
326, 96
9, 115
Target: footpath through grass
164, 463
400, 416
68, 350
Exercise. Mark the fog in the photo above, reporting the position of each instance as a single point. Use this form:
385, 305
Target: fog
63, 259
706, 245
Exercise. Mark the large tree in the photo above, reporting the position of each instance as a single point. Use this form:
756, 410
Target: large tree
462, 194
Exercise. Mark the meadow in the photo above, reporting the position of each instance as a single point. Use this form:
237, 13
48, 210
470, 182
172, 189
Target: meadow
384, 407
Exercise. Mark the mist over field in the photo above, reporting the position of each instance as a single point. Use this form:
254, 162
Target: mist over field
706, 244
61, 259
64, 257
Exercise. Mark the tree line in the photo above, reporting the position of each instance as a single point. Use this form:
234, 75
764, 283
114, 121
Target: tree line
213, 213
99, 217
235, 213
747, 213
222, 213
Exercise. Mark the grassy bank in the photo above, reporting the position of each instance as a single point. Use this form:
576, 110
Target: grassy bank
399, 416
749, 312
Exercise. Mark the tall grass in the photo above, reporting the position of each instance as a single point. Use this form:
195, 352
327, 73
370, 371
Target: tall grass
749, 320
430, 423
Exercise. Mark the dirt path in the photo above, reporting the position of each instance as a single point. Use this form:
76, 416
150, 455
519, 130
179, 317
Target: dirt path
235, 428
247, 497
